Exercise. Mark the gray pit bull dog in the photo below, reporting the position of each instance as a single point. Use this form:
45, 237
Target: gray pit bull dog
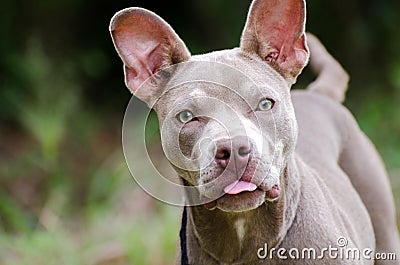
274, 168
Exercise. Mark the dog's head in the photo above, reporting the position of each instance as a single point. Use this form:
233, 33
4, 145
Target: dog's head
226, 118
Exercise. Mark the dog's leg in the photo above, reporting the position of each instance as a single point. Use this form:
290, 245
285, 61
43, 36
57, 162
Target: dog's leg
363, 165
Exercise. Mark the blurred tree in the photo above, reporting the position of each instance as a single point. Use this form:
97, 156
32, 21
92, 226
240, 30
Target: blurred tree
62, 94
363, 35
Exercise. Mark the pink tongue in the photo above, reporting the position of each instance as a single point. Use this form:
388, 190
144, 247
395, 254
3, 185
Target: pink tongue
239, 186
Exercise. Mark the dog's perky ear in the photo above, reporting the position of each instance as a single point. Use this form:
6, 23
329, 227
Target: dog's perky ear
146, 44
275, 30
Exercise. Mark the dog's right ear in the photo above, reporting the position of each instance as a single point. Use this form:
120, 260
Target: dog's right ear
146, 44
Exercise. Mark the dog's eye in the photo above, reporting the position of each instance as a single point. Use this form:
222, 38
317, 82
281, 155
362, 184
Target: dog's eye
266, 104
185, 116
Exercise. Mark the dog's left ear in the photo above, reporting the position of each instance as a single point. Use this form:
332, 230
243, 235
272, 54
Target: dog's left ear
275, 30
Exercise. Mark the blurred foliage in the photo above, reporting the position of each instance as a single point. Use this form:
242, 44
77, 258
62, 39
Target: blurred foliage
65, 193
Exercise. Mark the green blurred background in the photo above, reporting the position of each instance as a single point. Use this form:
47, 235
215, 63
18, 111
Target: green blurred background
66, 196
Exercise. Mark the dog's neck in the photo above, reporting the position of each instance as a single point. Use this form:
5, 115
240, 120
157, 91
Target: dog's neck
242, 235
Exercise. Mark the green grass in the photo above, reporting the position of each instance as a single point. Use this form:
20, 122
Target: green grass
110, 237
66, 195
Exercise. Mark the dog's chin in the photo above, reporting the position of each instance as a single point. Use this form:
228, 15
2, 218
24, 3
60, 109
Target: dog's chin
244, 201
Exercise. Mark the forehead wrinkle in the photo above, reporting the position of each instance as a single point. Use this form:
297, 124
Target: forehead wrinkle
197, 92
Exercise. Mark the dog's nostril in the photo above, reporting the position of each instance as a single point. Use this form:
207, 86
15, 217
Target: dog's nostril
222, 157
222, 154
244, 151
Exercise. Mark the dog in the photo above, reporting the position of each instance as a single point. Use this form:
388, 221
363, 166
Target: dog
274, 169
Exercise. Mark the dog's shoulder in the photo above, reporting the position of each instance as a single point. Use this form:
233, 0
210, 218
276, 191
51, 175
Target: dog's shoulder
323, 121
305, 100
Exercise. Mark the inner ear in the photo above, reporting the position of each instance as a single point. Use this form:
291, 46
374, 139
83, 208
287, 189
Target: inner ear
275, 30
146, 44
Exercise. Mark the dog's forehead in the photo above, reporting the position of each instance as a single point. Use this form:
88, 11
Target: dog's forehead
229, 75
252, 66
214, 97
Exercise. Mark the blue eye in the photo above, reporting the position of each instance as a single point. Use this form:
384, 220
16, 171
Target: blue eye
185, 116
266, 104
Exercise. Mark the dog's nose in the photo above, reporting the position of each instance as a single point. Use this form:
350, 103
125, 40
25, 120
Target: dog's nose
240, 147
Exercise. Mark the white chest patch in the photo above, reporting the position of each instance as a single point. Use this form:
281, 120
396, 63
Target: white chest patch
239, 225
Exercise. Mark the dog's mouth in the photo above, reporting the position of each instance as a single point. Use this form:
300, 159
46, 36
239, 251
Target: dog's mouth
241, 186
255, 186
243, 196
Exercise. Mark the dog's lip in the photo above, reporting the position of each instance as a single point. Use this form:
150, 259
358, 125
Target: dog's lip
212, 205
243, 201
271, 194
